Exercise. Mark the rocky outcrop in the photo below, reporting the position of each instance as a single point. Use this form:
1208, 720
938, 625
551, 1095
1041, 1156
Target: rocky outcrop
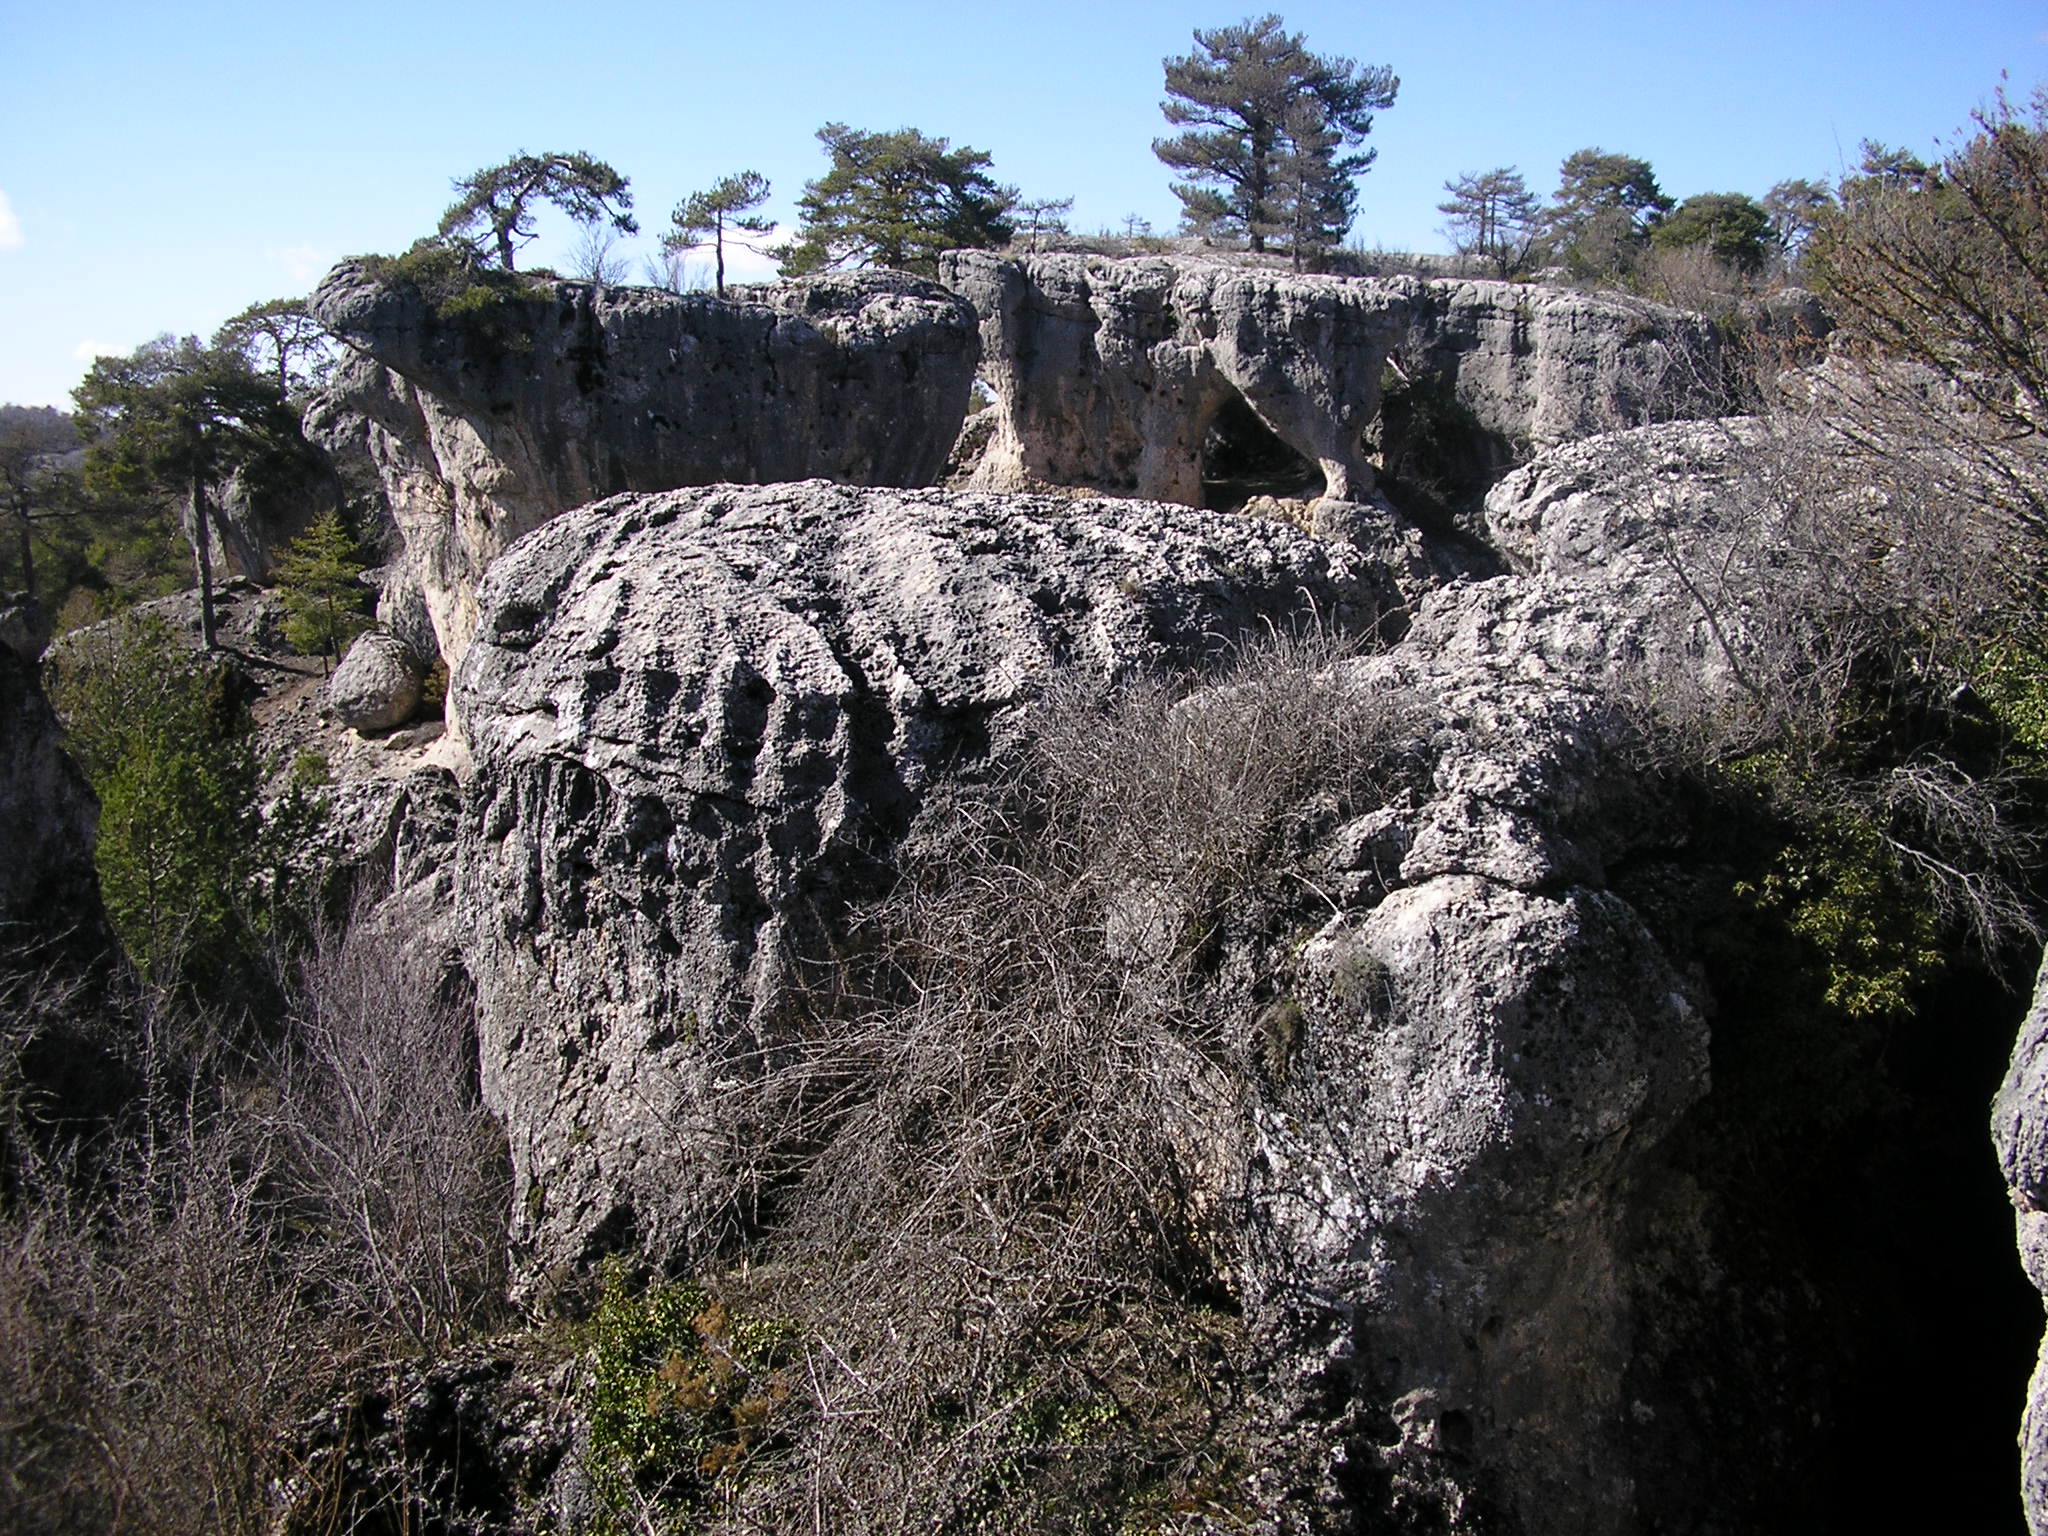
699, 722
1487, 1045
1537, 366
1112, 374
489, 413
49, 893
2019, 1132
1142, 376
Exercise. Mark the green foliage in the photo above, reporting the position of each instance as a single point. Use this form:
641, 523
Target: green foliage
1492, 215
1602, 212
1264, 121
720, 214
896, 200
166, 741
1796, 208
1869, 928
318, 579
487, 302
495, 206
1734, 227
280, 336
38, 487
685, 1393
2012, 678
172, 419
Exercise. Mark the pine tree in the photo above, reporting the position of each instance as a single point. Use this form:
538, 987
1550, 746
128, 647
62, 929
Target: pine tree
896, 200
1492, 215
318, 582
1603, 211
723, 213
1257, 163
496, 203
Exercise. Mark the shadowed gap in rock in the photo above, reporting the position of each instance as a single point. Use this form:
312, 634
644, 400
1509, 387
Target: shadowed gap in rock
1242, 457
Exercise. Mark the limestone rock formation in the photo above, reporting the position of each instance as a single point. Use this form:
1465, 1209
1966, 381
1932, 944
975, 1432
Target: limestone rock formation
486, 422
1490, 1045
378, 684
1111, 374
2019, 1130
49, 894
1139, 376
699, 720
1536, 366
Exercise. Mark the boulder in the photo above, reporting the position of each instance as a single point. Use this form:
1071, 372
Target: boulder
486, 419
701, 720
377, 686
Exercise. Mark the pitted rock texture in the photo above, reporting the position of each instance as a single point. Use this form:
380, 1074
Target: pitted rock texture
1491, 1044
1110, 373
2019, 1131
699, 720
483, 427
1536, 366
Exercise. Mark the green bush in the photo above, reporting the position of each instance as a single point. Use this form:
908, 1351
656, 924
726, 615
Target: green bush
685, 1392
319, 582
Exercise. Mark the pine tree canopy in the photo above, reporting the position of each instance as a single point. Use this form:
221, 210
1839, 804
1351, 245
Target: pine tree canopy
1264, 122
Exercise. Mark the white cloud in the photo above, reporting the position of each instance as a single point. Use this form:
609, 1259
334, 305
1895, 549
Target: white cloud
11, 237
87, 351
303, 264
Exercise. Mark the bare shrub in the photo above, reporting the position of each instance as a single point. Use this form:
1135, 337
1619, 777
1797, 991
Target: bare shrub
1007, 1284
1838, 589
377, 1107
183, 1283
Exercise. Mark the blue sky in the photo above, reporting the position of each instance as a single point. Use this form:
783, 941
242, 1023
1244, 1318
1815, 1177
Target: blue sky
163, 165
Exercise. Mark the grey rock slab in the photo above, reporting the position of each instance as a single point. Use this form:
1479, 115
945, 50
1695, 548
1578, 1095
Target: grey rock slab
2019, 1133
700, 721
1109, 373
483, 428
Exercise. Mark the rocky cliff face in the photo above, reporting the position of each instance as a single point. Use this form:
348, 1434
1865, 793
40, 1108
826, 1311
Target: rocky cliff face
49, 894
486, 422
2019, 1131
1135, 376
701, 720
1539, 366
1112, 374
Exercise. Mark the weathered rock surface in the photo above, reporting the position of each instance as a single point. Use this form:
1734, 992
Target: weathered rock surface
483, 427
377, 686
1490, 1045
1111, 373
1536, 366
49, 893
2019, 1131
1121, 374
700, 719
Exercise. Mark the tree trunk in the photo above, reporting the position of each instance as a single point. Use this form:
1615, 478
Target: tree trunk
28, 557
202, 556
718, 245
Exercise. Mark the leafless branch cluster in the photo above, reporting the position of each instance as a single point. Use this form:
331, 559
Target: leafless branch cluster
1001, 1250
1836, 591
182, 1286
